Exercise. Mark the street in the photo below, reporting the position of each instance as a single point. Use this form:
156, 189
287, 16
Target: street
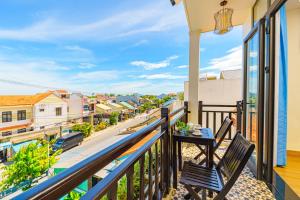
97, 142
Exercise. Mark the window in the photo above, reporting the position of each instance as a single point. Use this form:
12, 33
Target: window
42, 109
22, 130
6, 116
58, 111
21, 114
7, 133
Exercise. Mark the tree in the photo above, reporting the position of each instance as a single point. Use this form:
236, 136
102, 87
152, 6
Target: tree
146, 106
31, 162
181, 96
73, 196
85, 129
166, 98
113, 118
101, 126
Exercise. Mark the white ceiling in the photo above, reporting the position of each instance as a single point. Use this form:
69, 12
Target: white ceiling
200, 13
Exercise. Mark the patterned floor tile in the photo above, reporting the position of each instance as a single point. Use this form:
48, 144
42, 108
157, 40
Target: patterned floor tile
245, 188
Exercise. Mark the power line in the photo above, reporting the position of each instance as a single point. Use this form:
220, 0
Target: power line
39, 86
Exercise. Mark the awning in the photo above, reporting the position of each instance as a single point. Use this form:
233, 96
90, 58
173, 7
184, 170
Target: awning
127, 105
17, 147
103, 107
14, 127
5, 145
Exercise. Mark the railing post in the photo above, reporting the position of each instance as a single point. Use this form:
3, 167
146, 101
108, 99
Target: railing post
200, 109
239, 115
186, 111
165, 127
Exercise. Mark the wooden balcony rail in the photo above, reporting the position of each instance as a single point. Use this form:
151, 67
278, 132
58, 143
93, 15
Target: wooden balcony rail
212, 115
154, 176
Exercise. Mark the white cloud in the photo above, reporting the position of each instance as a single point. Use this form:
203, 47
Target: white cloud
233, 60
77, 48
162, 76
86, 65
154, 65
143, 87
158, 17
139, 43
96, 76
182, 66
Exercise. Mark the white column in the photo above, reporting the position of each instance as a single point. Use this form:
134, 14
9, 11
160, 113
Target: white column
194, 76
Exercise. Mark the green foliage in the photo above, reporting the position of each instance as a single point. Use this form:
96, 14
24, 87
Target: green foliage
146, 106
181, 126
85, 129
181, 96
31, 162
101, 126
73, 196
113, 118
165, 99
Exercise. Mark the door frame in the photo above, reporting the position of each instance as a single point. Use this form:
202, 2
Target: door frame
270, 86
258, 28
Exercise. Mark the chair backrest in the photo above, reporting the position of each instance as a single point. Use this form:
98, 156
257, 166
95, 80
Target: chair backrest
223, 130
234, 161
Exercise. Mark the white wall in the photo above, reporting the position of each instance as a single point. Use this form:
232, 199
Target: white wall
48, 118
75, 104
293, 21
218, 91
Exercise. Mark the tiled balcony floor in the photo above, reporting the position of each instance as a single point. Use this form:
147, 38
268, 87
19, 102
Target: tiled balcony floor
246, 187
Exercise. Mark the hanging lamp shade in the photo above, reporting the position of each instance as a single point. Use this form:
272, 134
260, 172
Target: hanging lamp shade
223, 19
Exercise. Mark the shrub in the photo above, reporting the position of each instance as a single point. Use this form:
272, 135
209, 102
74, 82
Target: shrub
85, 129
101, 126
113, 118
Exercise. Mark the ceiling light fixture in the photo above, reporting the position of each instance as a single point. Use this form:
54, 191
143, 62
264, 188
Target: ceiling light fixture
223, 19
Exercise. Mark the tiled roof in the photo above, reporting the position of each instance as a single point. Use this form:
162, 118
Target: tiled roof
18, 100
127, 105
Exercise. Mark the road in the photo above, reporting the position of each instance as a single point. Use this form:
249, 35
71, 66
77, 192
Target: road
97, 142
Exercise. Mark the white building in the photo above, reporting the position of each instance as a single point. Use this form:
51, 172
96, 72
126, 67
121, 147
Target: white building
49, 111
228, 88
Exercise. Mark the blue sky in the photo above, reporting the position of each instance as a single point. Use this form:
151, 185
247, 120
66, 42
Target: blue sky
103, 46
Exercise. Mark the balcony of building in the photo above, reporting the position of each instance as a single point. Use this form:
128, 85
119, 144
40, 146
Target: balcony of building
148, 171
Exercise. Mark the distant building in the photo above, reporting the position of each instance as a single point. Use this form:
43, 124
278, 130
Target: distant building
131, 99
75, 103
228, 88
161, 96
16, 114
49, 111
231, 74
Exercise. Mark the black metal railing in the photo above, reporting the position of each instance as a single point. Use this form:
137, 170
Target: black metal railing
212, 116
153, 161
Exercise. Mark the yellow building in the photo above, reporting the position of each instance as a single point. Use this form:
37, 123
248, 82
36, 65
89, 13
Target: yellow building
16, 114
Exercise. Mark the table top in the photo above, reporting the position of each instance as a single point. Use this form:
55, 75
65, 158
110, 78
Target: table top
206, 135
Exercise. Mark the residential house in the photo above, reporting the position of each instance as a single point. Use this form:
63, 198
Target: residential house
16, 114
75, 104
131, 99
49, 111
115, 107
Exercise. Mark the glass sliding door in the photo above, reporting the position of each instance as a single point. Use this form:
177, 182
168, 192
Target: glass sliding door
253, 123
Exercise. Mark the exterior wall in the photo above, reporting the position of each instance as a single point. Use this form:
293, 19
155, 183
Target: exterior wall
75, 105
15, 122
48, 118
85, 106
293, 138
248, 24
218, 91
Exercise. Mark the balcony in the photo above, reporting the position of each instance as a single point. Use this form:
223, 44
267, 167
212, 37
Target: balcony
150, 165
